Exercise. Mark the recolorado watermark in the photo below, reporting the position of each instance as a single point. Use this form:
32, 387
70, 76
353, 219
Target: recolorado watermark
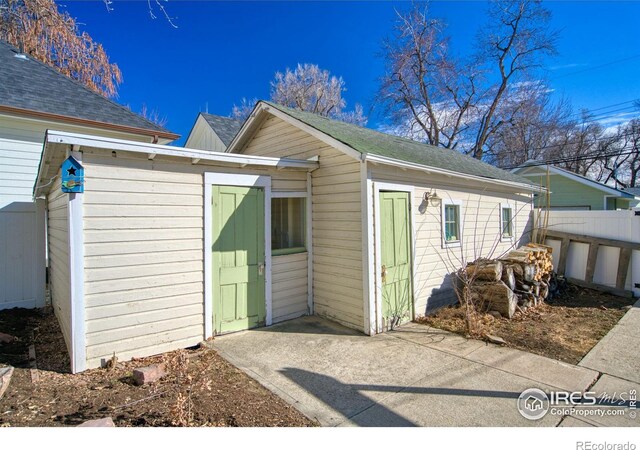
589, 445
534, 404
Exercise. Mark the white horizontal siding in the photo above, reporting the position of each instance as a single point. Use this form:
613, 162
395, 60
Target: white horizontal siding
336, 201
144, 238
289, 286
481, 230
203, 137
58, 240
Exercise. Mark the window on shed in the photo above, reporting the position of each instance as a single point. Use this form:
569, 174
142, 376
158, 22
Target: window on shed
288, 224
451, 223
507, 222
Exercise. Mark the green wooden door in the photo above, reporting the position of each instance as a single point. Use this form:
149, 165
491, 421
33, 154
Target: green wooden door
238, 258
395, 256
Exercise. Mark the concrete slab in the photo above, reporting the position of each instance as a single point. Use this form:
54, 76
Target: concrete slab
436, 339
554, 373
404, 378
461, 394
325, 370
616, 354
573, 422
620, 415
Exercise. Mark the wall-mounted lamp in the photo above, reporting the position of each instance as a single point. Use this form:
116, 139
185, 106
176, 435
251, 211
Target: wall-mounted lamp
429, 198
432, 198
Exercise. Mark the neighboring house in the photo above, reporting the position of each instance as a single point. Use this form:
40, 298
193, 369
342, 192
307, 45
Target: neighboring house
212, 132
34, 98
301, 215
570, 191
635, 191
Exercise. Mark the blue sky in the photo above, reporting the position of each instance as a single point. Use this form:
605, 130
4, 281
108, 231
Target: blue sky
223, 51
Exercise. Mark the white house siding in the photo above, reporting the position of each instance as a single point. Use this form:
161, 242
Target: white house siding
143, 239
289, 286
22, 233
480, 213
58, 239
203, 137
336, 200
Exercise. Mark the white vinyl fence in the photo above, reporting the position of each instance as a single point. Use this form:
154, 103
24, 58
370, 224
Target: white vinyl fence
618, 225
22, 255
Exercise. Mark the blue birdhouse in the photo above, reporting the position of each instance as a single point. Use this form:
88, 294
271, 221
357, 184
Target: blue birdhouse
72, 176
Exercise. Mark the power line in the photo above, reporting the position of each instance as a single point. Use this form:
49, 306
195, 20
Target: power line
610, 63
573, 159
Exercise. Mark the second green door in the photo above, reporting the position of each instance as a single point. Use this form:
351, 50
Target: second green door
395, 257
238, 258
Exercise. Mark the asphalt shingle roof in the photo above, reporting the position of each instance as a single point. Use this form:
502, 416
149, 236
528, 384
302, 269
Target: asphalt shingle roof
368, 141
225, 127
29, 84
633, 191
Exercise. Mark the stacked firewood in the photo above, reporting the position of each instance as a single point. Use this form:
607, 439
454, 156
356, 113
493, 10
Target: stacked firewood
521, 279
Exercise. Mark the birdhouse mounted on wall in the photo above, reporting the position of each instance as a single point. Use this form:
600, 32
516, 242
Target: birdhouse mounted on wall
72, 176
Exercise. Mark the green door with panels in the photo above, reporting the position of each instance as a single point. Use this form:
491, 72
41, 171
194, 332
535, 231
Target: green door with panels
395, 257
238, 258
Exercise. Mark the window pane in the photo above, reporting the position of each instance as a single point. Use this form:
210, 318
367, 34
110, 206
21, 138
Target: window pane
287, 223
507, 225
451, 223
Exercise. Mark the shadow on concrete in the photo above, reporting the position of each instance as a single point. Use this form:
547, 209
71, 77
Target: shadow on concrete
310, 325
342, 397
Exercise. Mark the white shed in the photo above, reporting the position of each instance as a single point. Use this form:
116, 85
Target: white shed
168, 246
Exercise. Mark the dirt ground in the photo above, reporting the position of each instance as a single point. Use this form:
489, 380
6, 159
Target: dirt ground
565, 329
200, 389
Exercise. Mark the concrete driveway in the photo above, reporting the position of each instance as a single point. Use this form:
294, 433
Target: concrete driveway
415, 376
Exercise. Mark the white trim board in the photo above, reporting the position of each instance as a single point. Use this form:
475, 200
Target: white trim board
377, 280
230, 179
76, 278
309, 239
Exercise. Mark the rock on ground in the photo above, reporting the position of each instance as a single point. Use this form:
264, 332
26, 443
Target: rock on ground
5, 378
149, 374
104, 422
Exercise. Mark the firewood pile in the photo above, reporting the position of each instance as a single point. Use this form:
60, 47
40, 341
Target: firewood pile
521, 279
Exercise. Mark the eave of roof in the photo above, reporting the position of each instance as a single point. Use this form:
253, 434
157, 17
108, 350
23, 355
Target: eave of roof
86, 122
99, 142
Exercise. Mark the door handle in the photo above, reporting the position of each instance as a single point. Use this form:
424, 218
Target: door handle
260, 269
383, 273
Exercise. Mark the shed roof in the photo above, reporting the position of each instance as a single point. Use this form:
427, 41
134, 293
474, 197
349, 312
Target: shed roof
370, 142
225, 127
29, 86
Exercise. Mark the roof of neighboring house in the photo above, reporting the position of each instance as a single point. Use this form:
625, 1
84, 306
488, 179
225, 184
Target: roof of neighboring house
371, 142
633, 191
30, 87
225, 127
574, 176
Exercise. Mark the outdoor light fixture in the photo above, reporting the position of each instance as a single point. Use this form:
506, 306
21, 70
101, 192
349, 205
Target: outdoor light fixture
432, 198
429, 198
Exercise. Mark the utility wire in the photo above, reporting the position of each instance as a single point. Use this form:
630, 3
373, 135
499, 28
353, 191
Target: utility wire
610, 63
572, 159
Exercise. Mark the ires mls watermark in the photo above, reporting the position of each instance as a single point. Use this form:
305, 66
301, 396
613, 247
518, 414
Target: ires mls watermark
534, 404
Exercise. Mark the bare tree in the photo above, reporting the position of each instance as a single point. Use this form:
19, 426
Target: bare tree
52, 36
308, 88
456, 103
153, 115
242, 111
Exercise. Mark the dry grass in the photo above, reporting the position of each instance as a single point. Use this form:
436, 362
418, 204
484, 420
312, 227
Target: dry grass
565, 330
200, 389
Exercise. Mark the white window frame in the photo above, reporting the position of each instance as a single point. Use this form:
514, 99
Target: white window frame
232, 179
305, 196
504, 238
459, 204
